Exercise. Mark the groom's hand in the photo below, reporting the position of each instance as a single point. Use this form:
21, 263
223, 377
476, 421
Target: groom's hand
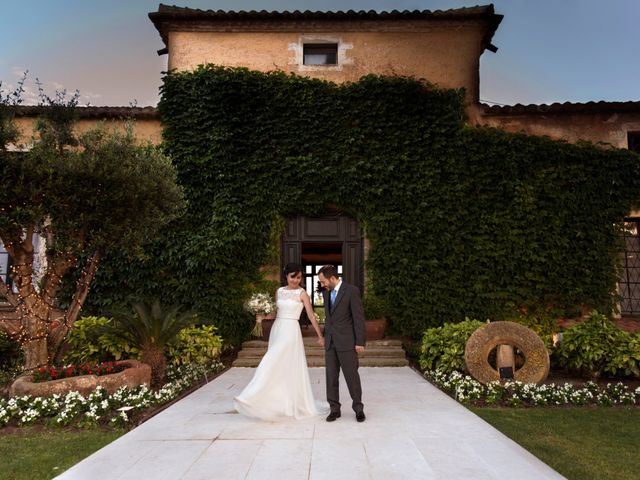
359, 348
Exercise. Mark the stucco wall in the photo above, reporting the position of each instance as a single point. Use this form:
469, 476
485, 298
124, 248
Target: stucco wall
593, 126
448, 57
144, 129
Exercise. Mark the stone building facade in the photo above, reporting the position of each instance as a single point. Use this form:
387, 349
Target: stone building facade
443, 47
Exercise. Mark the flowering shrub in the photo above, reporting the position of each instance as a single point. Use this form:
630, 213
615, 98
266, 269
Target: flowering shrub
517, 394
99, 407
44, 374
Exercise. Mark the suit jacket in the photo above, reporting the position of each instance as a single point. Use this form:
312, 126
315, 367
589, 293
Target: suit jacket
344, 324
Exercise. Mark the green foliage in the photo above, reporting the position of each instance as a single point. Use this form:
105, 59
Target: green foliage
151, 327
9, 132
98, 339
544, 325
150, 324
461, 221
9, 350
106, 192
443, 347
374, 307
90, 341
596, 347
199, 345
11, 358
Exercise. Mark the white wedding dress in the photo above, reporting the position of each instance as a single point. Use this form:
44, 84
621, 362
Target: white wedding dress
280, 386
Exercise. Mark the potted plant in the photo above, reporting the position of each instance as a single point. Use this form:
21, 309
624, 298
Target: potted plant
375, 311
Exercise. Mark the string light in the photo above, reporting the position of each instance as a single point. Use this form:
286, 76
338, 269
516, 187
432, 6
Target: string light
35, 308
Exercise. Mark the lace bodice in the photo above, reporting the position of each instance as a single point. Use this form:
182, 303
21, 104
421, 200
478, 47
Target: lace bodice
289, 303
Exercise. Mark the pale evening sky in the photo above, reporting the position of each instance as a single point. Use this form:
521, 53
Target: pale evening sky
548, 50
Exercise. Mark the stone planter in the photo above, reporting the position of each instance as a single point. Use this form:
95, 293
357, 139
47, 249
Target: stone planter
136, 374
375, 328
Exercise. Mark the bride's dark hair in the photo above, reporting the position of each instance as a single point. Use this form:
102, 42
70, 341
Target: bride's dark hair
292, 268
295, 268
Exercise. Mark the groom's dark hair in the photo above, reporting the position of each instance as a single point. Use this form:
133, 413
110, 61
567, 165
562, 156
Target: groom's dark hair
329, 271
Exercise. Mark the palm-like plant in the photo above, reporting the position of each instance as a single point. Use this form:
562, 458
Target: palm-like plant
151, 326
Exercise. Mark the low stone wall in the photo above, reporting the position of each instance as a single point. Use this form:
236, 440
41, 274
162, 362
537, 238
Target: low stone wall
136, 373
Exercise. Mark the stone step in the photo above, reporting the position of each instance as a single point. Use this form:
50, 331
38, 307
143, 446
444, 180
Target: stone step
378, 353
313, 342
319, 352
319, 362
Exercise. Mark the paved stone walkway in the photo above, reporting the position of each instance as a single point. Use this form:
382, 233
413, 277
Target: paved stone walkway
412, 431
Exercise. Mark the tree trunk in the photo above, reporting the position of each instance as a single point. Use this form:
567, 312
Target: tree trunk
34, 338
153, 356
42, 326
36, 354
34, 312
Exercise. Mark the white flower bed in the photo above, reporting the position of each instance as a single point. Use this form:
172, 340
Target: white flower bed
74, 408
513, 393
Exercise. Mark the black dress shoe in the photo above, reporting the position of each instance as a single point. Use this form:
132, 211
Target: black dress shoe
360, 416
333, 416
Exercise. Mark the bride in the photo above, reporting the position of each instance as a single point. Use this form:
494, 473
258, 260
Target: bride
280, 386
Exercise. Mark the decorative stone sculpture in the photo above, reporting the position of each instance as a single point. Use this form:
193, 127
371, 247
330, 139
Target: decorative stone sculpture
488, 337
136, 374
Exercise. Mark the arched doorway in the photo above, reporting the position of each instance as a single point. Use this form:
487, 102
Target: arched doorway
333, 239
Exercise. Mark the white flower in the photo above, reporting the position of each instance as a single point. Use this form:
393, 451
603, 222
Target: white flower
260, 303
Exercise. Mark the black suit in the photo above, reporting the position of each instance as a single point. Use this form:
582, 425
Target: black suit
344, 329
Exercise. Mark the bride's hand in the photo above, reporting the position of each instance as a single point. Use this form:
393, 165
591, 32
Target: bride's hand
321, 341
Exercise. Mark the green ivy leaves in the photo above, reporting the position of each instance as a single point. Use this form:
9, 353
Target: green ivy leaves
462, 221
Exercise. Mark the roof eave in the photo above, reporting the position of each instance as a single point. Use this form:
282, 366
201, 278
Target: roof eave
168, 13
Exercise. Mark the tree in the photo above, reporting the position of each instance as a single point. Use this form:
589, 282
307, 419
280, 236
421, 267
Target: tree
85, 195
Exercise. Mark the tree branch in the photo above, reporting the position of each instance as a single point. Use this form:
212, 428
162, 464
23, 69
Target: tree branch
6, 292
82, 288
58, 334
56, 270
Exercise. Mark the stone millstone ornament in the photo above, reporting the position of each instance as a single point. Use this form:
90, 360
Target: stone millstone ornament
488, 337
136, 373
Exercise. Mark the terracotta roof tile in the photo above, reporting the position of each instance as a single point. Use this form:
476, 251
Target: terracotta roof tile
173, 14
563, 108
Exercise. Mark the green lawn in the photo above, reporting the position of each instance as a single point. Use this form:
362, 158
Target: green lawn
581, 443
35, 453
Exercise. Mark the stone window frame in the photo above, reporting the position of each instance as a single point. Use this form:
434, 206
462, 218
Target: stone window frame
633, 140
307, 48
343, 58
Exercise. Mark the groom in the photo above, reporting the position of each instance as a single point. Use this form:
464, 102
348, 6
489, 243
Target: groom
344, 338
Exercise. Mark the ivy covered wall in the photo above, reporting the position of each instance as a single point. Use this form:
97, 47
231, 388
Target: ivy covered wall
462, 221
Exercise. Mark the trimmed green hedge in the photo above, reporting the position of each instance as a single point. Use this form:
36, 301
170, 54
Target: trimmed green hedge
462, 221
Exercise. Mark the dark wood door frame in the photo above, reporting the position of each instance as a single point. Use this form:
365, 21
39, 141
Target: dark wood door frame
326, 228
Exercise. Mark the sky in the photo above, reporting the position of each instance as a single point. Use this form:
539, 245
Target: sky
548, 50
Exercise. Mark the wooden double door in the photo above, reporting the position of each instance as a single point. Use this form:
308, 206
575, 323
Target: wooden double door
331, 239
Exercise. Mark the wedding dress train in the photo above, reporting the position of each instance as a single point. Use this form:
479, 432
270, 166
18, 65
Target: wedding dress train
281, 386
